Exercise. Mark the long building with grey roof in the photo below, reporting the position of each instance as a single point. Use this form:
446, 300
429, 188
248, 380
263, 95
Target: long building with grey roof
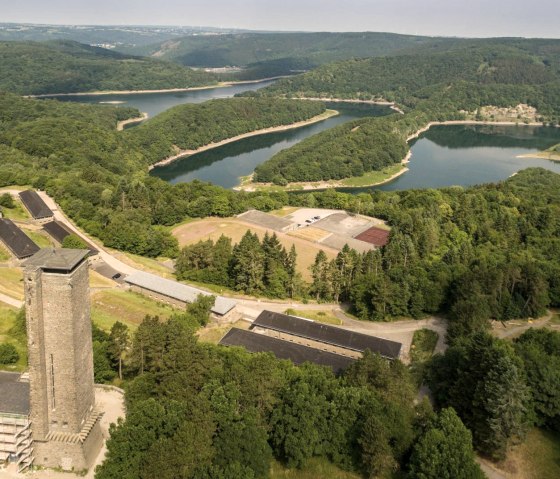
323, 336
21, 245
35, 205
179, 294
298, 354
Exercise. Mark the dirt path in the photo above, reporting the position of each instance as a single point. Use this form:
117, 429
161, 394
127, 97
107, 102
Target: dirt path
514, 328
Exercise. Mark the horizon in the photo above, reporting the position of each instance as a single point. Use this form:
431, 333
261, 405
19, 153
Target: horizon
247, 30
435, 18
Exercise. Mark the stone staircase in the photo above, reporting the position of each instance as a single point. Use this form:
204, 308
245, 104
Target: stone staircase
76, 438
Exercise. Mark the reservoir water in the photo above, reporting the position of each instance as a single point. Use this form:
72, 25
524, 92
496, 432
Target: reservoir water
443, 156
154, 103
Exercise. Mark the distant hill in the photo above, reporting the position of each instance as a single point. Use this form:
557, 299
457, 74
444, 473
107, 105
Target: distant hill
410, 78
271, 54
281, 53
69, 67
114, 36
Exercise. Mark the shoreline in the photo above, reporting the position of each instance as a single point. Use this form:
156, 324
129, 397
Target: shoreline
390, 104
163, 90
184, 153
542, 155
310, 186
131, 121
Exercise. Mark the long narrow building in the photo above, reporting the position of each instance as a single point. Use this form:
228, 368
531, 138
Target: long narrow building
323, 336
36, 206
298, 354
21, 245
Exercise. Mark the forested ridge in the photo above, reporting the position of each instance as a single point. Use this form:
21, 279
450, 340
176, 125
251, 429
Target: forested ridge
433, 87
33, 68
190, 126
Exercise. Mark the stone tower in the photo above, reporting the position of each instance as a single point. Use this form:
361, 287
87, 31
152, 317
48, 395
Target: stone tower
64, 421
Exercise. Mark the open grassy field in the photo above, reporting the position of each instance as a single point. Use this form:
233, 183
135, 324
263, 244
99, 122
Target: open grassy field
213, 228
7, 318
325, 316
314, 469
98, 281
150, 265
110, 306
213, 333
4, 254
538, 457
373, 177
41, 239
11, 282
18, 213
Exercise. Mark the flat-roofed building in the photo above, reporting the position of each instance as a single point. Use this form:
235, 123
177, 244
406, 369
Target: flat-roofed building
323, 336
21, 245
298, 354
179, 294
36, 206
15, 433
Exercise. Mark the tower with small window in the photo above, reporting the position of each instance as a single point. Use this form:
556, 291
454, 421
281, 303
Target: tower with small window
64, 420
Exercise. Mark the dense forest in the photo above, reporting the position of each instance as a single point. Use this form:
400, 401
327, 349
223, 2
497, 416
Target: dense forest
350, 149
32, 68
190, 126
264, 55
234, 412
433, 87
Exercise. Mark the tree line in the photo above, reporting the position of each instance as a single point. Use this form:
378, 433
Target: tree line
199, 410
251, 266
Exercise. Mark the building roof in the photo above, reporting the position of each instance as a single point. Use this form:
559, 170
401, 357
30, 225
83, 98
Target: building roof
59, 231
176, 290
16, 240
375, 236
14, 395
325, 333
56, 259
297, 353
35, 204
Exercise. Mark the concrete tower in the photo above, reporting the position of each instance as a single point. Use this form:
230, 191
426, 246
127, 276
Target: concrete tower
64, 421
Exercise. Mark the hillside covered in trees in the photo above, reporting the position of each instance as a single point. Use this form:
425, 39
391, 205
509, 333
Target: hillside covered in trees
32, 68
433, 87
190, 126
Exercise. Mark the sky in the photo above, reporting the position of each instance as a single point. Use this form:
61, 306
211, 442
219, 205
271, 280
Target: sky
464, 18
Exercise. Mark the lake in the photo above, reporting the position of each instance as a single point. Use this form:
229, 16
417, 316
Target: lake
224, 165
443, 156
154, 103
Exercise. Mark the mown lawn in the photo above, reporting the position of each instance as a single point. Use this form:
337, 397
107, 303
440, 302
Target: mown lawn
7, 320
18, 212
128, 307
325, 316
4, 254
42, 240
11, 282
